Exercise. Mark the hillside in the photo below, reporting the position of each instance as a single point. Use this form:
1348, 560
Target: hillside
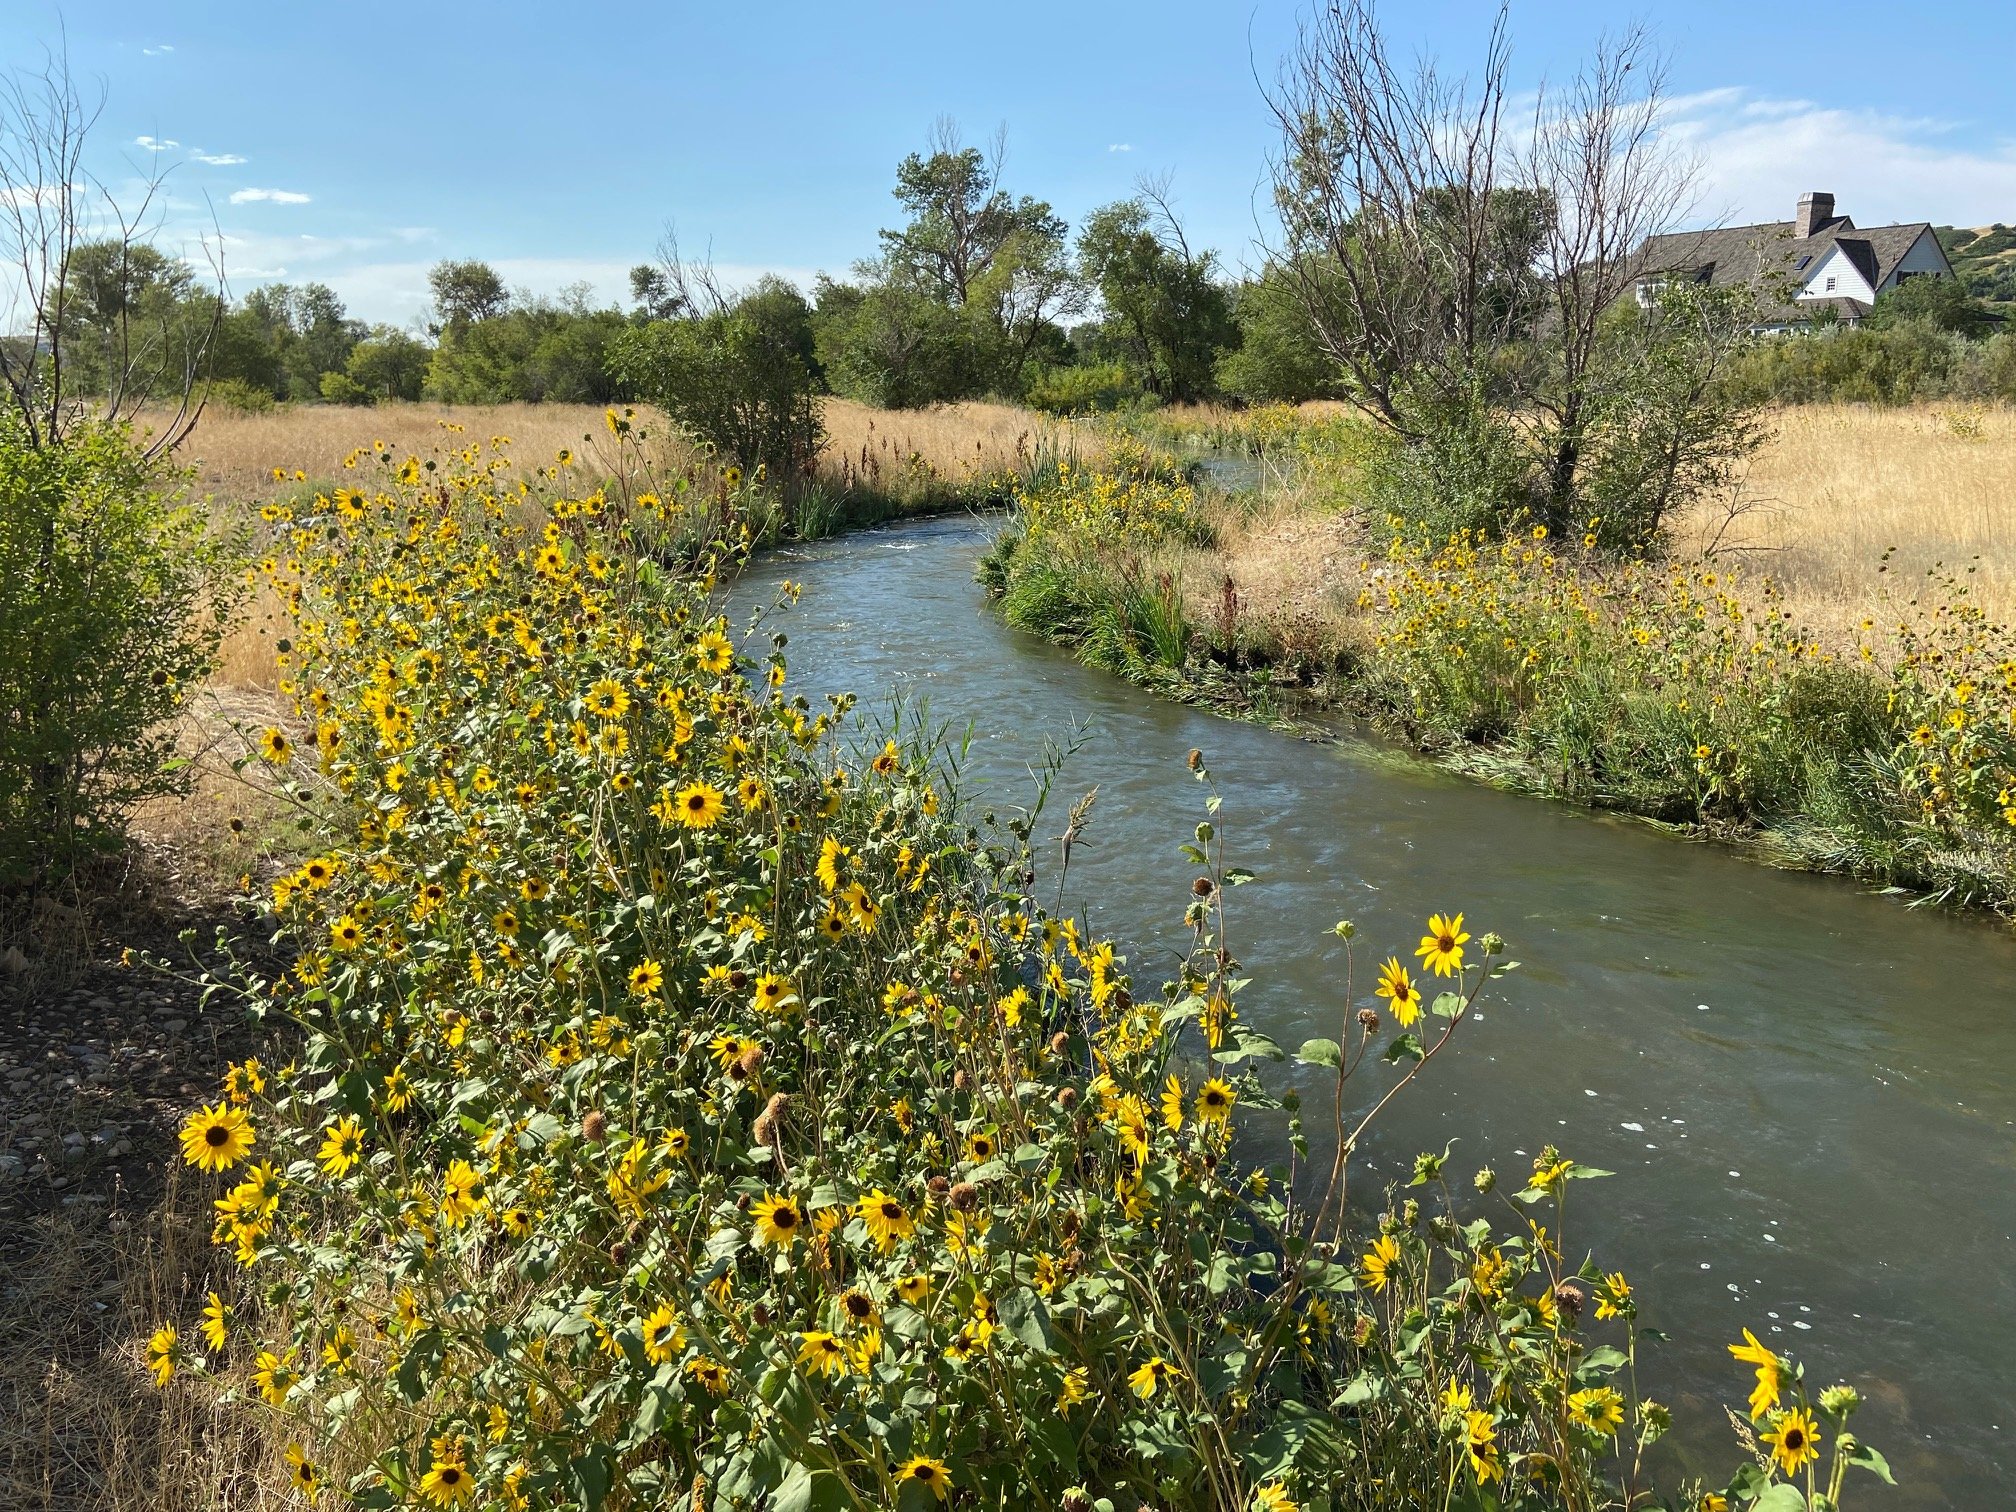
1984, 258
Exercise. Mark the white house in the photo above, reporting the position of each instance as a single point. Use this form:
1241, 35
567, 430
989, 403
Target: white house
1816, 261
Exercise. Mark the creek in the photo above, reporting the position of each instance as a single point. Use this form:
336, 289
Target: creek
1804, 1089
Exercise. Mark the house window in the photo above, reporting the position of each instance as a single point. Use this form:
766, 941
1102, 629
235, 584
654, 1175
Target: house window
1830, 286
1800, 266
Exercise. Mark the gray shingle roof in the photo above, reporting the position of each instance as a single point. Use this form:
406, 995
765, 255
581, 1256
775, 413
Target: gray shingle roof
1753, 254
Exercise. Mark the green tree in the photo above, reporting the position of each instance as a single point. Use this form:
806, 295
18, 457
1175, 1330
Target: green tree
743, 378
1278, 359
966, 295
389, 364
1165, 310
1944, 304
466, 291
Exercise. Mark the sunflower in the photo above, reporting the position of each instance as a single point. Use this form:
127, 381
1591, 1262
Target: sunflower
713, 654
1441, 949
646, 978
885, 1219
274, 746
914, 1289
217, 1138
750, 792
886, 761
1214, 1101
699, 805
663, 1337
345, 933
822, 1353
858, 1307
833, 924
342, 1145
778, 1220
302, 1471
463, 1192
518, 1223
1149, 1378
607, 699
162, 1354
980, 1147
1379, 1261
931, 1474
1480, 1440
773, 994
1172, 1105
447, 1483
710, 1374
216, 1322
1274, 1497
1794, 1440
1764, 1395
1397, 987
533, 889
1599, 1409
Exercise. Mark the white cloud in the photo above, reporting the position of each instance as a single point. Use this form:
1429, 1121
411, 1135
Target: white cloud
157, 50
1758, 155
219, 159
267, 196
156, 144
1120, 147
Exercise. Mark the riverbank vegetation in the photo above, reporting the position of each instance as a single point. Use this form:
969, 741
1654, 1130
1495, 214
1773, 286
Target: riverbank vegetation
693, 1104
1536, 533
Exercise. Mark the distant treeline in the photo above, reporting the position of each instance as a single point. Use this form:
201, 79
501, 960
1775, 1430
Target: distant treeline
977, 293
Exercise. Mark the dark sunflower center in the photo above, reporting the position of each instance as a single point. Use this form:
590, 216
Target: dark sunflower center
925, 1473
784, 1218
216, 1135
892, 1211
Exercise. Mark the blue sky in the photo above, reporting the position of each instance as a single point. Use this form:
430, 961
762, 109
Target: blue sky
357, 143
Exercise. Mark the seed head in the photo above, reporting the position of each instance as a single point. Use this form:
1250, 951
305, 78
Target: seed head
595, 1127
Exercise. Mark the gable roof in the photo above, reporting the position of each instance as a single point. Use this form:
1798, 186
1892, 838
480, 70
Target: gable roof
1750, 254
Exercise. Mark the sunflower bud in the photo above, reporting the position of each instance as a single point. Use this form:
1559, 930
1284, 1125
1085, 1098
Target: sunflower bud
738, 979
1195, 760
595, 1127
1368, 1020
938, 1186
1493, 943
1201, 887
1569, 1298
1076, 1500
1485, 1180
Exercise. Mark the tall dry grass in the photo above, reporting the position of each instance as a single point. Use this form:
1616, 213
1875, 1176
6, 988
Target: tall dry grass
1838, 485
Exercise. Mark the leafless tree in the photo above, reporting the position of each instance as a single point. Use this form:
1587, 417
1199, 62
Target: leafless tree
51, 206
1595, 152
1453, 261
1387, 185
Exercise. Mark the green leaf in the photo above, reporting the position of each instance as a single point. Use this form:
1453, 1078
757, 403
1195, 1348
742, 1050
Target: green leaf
1238, 876
1407, 1047
808, 1490
1781, 1496
1449, 1005
1024, 1315
592, 1473
1868, 1459
1194, 854
1321, 1052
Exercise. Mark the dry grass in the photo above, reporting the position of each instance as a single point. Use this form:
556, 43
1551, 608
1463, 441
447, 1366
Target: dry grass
1838, 485
84, 1426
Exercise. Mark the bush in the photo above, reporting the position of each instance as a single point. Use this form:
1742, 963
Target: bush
240, 397
1091, 389
742, 380
115, 595
341, 388
693, 1111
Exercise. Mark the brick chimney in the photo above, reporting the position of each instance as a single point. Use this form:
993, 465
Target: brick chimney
1815, 210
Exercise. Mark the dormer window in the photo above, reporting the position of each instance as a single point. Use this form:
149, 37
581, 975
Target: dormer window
1800, 266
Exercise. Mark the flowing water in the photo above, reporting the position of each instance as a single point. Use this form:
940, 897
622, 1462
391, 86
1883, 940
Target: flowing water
1805, 1091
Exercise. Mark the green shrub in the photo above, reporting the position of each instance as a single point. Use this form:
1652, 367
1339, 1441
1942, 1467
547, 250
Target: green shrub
341, 388
1092, 389
115, 595
743, 379
240, 397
